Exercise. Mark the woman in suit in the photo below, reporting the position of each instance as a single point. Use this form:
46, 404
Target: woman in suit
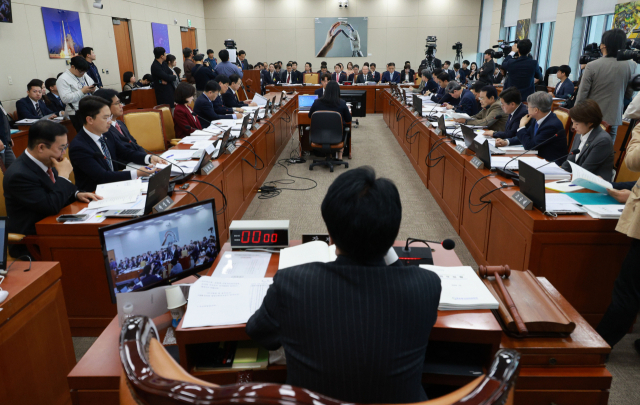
473, 75
407, 74
595, 145
331, 101
183, 115
129, 81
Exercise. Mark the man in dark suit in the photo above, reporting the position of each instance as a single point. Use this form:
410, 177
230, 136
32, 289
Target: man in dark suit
497, 75
376, 75
459, 74
390, 76
437, 63
297, 75
93, 149
269, 76
521, 68
354, 76
485, 74
32, 106
242, 59
467, 100
446, 67
324, 80
218, 104
338, 75
310, 309
287, 76
544, 127
163, 77
37, 184
511, 104
117, 129
230, 97
90, 56
442, 96
6, 143
203, 106
564, 88
56, 105
365, 76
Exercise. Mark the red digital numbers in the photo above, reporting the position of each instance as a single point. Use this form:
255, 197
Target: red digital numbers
254, 237
243, 239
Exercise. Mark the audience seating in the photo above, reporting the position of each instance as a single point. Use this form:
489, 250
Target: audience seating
563, 115
167, 119
151, 375
146, 125
20, 141
327, 136
624, 174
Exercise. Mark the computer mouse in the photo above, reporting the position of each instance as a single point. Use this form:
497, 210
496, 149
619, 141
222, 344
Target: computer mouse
3, 295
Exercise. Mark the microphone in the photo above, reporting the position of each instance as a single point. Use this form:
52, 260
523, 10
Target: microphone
573, 152
200, 118
99, 155
509, 174
419, 255
448, 244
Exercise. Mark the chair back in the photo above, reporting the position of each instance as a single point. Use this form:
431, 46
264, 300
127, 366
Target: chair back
605, 126
624, 174
311, 78
20, 141
326, 128
563, 115
147, 127
167, 120
151, 376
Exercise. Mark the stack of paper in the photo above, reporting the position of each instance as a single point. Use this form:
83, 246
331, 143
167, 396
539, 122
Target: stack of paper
500, 161
563, 186
201, 145
258, 99
175, 155
120, 192
517, 149
462, 289
605, 211
558, 202
188, 166
456, 115
316, 251
242, 265
586, 179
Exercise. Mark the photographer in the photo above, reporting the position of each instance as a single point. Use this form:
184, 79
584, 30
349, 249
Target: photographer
486, 71
521, 68
606, 80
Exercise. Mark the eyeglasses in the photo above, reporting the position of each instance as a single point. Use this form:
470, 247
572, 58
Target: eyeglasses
118, 102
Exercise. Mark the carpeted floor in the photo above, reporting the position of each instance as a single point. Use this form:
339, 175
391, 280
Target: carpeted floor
374, 145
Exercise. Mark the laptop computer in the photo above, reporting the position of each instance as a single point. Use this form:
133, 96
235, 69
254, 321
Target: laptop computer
156, 192
469, 135
483, 153
220, 147
417, 104
532, 186
305, 102
238, 133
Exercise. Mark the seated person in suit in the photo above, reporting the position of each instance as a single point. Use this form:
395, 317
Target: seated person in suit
32, 106
545, 126
595, 145
307, 68
324, 79
467, 101
465, 69
511, 104
354, 76
564, 88
6, 143
491, 109
331, 101
442, 96
218, 104
323, 68
269, 76
362, 215
230, 98
390, 76
37, 184
204, 106
338, 75
428, 83
376, 75
365, 76
446, 68
93, 149
184, 123
52, 99
288, 76
459, 74
117, 129
497, 75
129, 81
297, 75
407, 75
201, 73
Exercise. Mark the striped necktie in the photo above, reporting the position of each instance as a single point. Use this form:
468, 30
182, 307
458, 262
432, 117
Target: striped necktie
535, 129
38, 110
105, 150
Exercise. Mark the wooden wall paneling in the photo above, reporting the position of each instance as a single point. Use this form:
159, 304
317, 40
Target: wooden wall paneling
270, 138
261, 151
423, 150
452, 192
474, 227
380, 100
414, 133
436, 169
249, 174
123, 49
508, 245
233, 189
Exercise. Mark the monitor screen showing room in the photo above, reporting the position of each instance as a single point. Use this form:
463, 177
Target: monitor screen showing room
306, 101
159, 249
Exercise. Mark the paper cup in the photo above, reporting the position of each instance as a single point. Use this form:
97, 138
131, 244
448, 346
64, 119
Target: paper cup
175, 298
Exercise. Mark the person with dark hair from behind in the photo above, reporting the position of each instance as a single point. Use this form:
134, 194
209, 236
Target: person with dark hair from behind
55, 104
188, 65
93, 148
442, 96
485, 74
491, 115
211, 59
363, 216
546, 126
117, 129
511, 104
230, 97
178, 72
521, 68
331, 101
201, 74
74, 84
225, 67
218, 104
564, 88
129, 81
163, 77
37, 184
594, 143
203, 106
32, 106
606, 80
325, 78
90, 56
6, 143
466, 100
184, 123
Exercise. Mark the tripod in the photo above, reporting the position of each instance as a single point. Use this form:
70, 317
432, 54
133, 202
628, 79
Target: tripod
459, 57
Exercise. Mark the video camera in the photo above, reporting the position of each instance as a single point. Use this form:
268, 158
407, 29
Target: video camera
505, 49
632, 52
229, 44
457, 46
591, 53
431, 46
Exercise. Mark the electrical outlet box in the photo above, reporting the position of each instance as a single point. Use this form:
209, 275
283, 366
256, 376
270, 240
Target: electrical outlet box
10, 79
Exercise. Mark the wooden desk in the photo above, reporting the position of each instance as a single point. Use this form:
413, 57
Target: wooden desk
77, 246
36, 351
579, 255
144, 98
303, 135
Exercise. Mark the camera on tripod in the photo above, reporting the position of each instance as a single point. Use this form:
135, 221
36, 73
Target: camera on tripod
431, 46
632, 51
505, 49
457, 46
591, 53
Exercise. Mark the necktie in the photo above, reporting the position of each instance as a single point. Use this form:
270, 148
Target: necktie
119, 129
51, 176
288, 77
105, 150
535, 129
38, 110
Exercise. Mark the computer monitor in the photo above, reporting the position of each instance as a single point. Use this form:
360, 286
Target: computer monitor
223, 144
306, 100
441, 126
358, 100
417, 104
158, 188
159, 249
532, 185
4, 235
469, 136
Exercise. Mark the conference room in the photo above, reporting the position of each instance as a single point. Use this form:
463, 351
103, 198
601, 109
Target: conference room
485, 150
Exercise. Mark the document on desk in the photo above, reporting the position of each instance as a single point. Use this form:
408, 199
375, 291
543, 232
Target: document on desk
120, 192
173, 155
462, 289
242, 265
456, 115
258, 99
586, 179
316, 251
218, 301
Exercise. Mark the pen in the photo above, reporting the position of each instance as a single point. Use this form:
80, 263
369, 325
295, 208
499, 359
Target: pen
563, 181
167, 157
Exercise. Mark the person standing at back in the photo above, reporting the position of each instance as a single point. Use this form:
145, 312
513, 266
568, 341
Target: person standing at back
74, 84
225, 67
90, 56
188, 65
606, 80
6, 143
521, 68
211, 60
242, 60
163, 77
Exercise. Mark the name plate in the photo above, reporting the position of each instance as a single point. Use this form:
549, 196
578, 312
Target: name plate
418, 114
477, 163
460, 149
206, 169
522, 200
256, 125
163, 205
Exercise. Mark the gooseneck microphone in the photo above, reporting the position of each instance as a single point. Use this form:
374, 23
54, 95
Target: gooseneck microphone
99, 155
573, 152
509, 174
419, 255
448, 244
200, 118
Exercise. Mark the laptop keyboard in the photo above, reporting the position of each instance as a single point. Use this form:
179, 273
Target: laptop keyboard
129, 212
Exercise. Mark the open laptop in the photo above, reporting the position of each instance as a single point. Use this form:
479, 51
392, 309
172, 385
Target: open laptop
532, 186
305, 102
417, 104
220, 145
238, 133
443, 129
469, 135
156, 192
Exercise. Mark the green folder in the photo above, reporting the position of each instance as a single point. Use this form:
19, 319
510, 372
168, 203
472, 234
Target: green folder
593, 198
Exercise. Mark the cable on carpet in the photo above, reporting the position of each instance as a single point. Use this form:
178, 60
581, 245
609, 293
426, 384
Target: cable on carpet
270, 189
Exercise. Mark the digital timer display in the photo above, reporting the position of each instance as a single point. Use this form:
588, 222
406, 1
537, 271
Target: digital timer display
259, 237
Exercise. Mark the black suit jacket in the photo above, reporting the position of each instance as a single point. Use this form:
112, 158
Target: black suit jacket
25, 109
56, 105
341, 79
203, 107
485, 74
125, 138
283, 76
319, 92
164, 92
297, 77
520, 73
352, 332
343, 109
552, 150
596, 156
363, 79
229, 99
376, 76
5, 128
31, 196
266, 77
91, 170
512, 123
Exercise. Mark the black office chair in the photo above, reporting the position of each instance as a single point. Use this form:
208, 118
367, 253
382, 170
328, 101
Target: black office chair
327, 135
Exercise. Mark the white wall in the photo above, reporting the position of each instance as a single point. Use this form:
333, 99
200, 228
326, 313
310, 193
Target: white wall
24, 46
271, 30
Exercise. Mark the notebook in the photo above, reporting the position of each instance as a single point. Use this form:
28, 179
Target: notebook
462, 289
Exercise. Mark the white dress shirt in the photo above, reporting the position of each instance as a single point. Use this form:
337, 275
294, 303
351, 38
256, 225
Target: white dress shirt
43, 167
36, 105
96, 139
